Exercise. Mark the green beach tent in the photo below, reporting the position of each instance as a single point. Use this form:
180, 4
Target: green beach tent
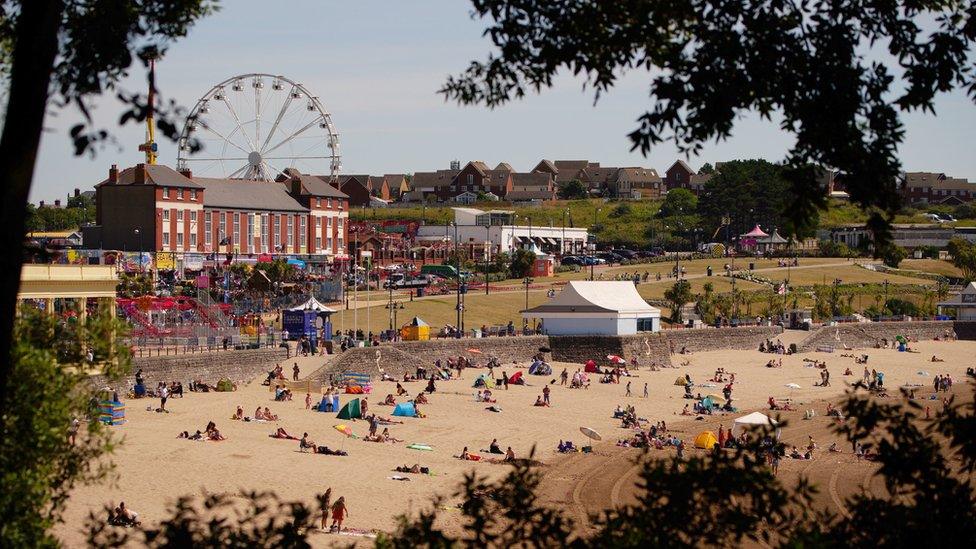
351, 410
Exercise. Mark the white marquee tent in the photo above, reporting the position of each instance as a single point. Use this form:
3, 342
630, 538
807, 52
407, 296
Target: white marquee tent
597, 308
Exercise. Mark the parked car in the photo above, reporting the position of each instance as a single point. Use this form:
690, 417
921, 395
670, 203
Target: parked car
572, 260
627, 254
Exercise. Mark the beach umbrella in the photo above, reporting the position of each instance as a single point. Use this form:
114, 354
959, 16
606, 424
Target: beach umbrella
715, 397
590, 433
792, 386
344, 429
616, 359
681, 381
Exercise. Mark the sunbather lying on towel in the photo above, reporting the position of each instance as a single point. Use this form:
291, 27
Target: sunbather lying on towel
325, 450
281, 433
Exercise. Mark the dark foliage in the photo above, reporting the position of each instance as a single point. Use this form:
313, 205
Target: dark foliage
710, 61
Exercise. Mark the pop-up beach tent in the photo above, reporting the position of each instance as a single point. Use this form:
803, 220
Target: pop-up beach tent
351, 410
516, 379
706, 440
405, 409
484, 380
755, 418
540, 369
328, 404
590, 366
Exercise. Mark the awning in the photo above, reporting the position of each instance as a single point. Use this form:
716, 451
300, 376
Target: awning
522, 239
551, 241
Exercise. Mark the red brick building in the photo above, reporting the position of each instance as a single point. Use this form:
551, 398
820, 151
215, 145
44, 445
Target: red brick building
155, 208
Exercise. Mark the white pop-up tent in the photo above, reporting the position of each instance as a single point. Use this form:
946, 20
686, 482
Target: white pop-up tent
750, 420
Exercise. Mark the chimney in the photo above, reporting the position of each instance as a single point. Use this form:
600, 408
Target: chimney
187, 173
77, 193
113, 174
57, 203
140, 175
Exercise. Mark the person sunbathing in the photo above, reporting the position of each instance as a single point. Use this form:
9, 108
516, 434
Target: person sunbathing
833, 448
400, 390
325, 450
258, 414
565, 447
390, 401
509, 455
387, 437
383, 420
937, 359
787, 407
269, 416
282, 434
540, 402
239, 414
464, 454
685, 411
421, 399
772, 404
214, 434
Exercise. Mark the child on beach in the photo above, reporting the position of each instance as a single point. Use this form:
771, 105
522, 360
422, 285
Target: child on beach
339, 512
308, 401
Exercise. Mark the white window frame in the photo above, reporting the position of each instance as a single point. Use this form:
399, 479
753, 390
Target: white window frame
179, 215
264, 232
179, 193
250, 232
193, 194
277, 231
165, 239
166, 192
166, 214
207, 228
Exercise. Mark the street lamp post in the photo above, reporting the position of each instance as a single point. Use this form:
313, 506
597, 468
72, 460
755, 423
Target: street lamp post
487, 253
562, 244
592, 246
138, 234
527, 281
457, 274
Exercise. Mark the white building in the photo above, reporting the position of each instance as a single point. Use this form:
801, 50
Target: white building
597, 308
964, 303
498, 227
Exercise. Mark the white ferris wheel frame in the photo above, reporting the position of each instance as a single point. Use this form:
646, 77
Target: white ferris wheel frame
257, 164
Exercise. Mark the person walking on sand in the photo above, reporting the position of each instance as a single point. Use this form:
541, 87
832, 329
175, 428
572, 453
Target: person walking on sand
545, 395
628, 388
645, 390
308, 401
163, 395
324, 501
563, 377
339, 512
294, 372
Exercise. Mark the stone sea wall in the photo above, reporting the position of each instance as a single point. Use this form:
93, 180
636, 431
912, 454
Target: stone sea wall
865, 335
240, 366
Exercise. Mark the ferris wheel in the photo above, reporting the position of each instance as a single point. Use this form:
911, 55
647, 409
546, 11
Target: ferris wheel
254, 126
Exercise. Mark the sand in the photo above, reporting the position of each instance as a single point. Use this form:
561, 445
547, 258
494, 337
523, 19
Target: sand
154, 467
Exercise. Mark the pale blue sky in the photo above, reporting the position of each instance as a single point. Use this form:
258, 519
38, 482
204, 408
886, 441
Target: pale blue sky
377, 65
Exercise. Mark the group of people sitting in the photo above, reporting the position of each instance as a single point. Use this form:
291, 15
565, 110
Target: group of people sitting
720, 376
485, 396
565, 447
776, 347
210, 433
259, 415
123, 516
628, 417
493, 448
275, 374
282, 394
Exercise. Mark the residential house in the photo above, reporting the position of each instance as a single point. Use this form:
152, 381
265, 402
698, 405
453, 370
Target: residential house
936, 188
681, 176
532, 187
396, 184
427, 186
636, 183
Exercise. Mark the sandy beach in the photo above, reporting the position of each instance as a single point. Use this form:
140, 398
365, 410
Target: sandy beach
154, 467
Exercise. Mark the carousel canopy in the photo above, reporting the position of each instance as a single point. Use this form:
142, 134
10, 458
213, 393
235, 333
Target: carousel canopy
313, 305
756, 232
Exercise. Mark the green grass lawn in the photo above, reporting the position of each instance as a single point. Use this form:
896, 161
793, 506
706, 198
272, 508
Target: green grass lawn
504, 304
